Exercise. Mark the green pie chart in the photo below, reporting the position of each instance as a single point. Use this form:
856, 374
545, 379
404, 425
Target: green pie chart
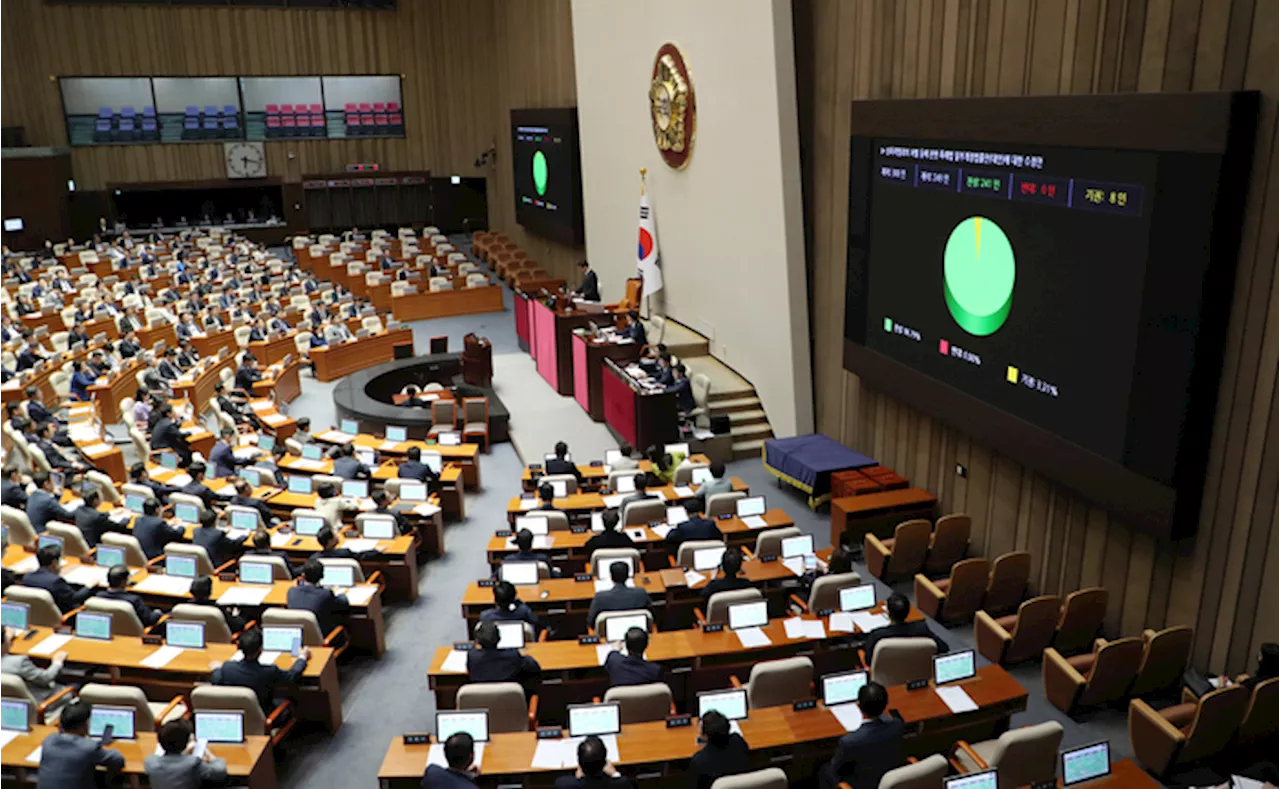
978, 274
540, 172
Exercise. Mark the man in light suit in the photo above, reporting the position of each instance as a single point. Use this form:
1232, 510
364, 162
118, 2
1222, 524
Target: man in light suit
41, 682
865, 754
720, 484
177, 769
337, 332
69, 758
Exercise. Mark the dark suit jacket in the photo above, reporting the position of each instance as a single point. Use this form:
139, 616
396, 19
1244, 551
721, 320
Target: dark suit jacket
609, 539
630, 670
258, 678
412, 469
166, 435
223, 460
146, 614
590, 289
711, 762
350, 468
328, 607
69, 761
863, 756
909, 630
696, 528
618, 598
64, 594
201, 491
724, 585
13, 494
684, 395
94, 524
558, 466
39, 413
220, 548
261, 506
153, 534
437, 777
501, 665
635, 332
245, 378
43, 507
521, 613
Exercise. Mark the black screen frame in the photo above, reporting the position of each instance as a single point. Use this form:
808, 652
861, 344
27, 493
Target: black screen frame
538, 222
1222, 124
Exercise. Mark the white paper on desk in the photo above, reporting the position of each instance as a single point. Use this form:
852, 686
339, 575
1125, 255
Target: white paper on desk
597, 523
528, 504
658, 494
25, 565
266, 658
246, 453
867, 622
49, 645
677, 515
849, 715
548, 755
308, 464
178, 480
541, 542
361, 595
956, 699
275, 419
603, 651
260, 405
1240, 782
279, 540
684, 492
435, 755
794, 627
225, 490
813, 629
86, 575
73, 505
795, 564
693, 577
360, 545
614, 501
7, 737
336, 437
161, 657
97, 449
244, 595
34, 756
754, 522
164, 584
661, 531
840, 622
426, 510
387, 446
455, 663
636, 534
752, 637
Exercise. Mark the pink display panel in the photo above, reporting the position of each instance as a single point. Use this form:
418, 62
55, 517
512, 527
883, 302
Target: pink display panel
522, 319
544, 338
580, 392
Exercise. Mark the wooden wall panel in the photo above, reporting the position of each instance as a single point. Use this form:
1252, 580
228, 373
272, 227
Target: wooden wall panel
1223, 580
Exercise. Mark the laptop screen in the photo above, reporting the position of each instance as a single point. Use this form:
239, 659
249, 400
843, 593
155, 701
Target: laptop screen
299, 484
754, 614
15, 615
188, 635
48, 539
672, 449
378, 528
730, 703
338, 575
266, 442
244, 519
349, 426
559, 488
281, 638
701, 476
220, 726
983, 780
510, 635
186, 513
397, 434
14, 714
355, 488
535, 524
433, 461
857, 598
752, 505
625, 484
109, 556
953, 667
1086, 763
602, 567
473, 722
413, 491
169, 460
133, 503
179, 565
598, 719
251, 475
93, 624
312, 451
256, 572
308, 525
801, 545
707, 558
842, 688
451, 438
612, 456
520, 573
120, 719
616, 627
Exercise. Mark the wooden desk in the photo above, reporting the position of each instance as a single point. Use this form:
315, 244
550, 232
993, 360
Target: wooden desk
588, 367
878, 513
110, 392
210, 344
446, 303
593, 476
250, 762
148, 336
273, 350
465, 455
283, 383
334, 361
398, 561
318, 695
642, 417
651, 751
197, 387
577, 505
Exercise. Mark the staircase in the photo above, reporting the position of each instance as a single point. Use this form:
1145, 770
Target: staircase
731, 394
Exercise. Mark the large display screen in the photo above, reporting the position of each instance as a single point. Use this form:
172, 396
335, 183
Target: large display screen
547, 174
1056, 301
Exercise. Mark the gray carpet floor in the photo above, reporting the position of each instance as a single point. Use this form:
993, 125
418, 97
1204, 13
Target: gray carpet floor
385, 698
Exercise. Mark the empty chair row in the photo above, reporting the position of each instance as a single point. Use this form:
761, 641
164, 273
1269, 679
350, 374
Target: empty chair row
1042, 622
210, 110
1117, 669
125, 129
376, 123
295, 126
1234, 725
918, 546
126, 112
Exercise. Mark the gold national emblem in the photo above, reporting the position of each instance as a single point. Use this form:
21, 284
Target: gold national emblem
671, 106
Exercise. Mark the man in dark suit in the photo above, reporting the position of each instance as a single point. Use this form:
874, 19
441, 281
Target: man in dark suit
696, 528
619, 597
42, 504
244, 498
248, 373
329, 549
152, 532
37, 410
12, 492
631, 668
128, 346
138, 476
898, 608
379, 496
611, 537
187, 355
70, 758
725, 753
43, 439
249, 673
167, 435
524, 549
864, 755
559, 465
67, 596
634, 330
330, 609
348, 466
94, 524
414, 468
507, 607
216, 543
202, 594
682, 389
730, 566
117, 581
490, 664
262, 547
223, 456
196, 486
168, 367
594, 770
590, 287
459, 753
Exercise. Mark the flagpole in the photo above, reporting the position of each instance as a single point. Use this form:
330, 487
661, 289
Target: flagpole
647, 303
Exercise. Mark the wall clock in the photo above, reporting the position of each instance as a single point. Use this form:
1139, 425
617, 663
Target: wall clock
245, 159
672, 107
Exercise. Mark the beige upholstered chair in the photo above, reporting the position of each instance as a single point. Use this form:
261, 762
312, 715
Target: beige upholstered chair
505, 701
606, 556
768, 778
723, 503
357, 572
614, 476
74, 545
769, 541
684, 554
42, 611
903, 554
927, 773
956, 598
147, 715
311, 634
444, 417
187, 498
601, 626
256, 723
570, 482
898, 661
1095, 678
638, 513
556, 520
825, 592
773, 683
1186, 733
684, 473
19, 525
949, 543
1008, 583
718, 604
1022, 756
1259, 724
1164, 660
203, 564
279, 566
1017, 637
124, 619
1082, 615
642, 703
134, 556
216, 630
104, 484
42, 712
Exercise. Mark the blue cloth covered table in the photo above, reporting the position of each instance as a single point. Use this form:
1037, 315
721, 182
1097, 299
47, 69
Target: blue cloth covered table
806, 462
